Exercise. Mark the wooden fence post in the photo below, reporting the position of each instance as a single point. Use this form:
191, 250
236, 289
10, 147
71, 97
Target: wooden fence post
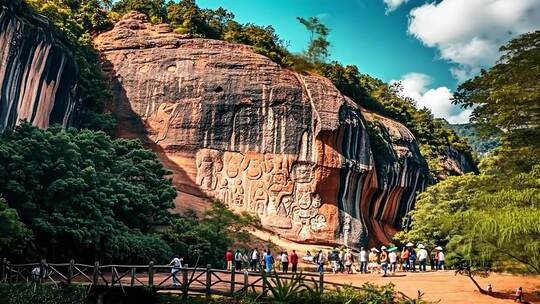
42, 270
208, 279
8, 270
70, 271
263, 275
96, 273
246, 281
133, 273
321, 280
151, 273
113, 276
185, 285
233, 275
4, 262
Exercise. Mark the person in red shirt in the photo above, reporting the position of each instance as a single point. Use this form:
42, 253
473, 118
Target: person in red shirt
229, 259
293, 259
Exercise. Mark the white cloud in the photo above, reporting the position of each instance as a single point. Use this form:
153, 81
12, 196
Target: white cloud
392, 5
438, 100
469, 32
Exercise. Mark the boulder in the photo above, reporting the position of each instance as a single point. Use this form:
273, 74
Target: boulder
232, 125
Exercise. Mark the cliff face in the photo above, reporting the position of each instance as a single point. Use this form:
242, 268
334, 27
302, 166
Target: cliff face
234, 126
37, 75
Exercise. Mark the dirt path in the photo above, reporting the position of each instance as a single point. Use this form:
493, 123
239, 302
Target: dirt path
448, 288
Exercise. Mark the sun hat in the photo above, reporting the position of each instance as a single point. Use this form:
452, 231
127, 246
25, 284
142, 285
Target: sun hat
393, 248
421, 246
374, 249
383, 248
438, 248
409, 244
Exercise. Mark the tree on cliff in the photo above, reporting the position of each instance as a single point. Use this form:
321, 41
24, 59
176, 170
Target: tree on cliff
495, 216
155, 9
82, 193
317, 50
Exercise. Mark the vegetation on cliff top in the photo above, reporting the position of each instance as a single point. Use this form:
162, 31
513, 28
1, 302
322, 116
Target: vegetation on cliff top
492, 220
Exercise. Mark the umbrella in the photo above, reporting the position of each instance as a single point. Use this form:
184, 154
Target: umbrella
374, 249
409, 244
438, 248
393, 248
421, 246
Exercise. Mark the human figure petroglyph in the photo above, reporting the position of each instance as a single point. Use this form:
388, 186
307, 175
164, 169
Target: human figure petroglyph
238, 194
208, 163
253, 167
260, 198
234, 164
302, 173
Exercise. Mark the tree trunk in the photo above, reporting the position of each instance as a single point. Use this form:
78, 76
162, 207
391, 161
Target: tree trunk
477, 285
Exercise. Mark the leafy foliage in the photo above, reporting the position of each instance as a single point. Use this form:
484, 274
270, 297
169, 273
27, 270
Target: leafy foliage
492, 221
82, 193
209, 236
13, 233
481, 144
43, 294
317, 50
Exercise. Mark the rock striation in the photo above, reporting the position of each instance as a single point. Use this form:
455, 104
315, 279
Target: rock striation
38, 76
233, 125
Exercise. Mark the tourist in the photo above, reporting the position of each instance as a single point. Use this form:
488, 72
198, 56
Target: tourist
308, 257
334, 260
440, 266
384, 260
412, 260
422, 258
348, 261
340, 261
405, 259
489, 288
268, 261
229, 259
294, 261
434, 259
373, 260
284, 262
392, 257
254, 259
238, 260
363, 258
519, 295
176, 264
320, 260
246, 260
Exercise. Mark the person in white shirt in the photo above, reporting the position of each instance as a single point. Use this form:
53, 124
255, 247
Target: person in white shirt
284, 262
238, 260
441, 260
254, 259
363, 258
392, 257
422, 257
176, 264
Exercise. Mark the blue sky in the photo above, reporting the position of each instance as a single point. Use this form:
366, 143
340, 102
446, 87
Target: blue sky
361, 34
429, 45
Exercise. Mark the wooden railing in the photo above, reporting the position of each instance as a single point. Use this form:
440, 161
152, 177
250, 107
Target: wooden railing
195, 280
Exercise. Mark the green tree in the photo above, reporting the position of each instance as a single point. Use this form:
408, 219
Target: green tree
83, 194
317, 50
13, 233
208, 236
155, 9
506, 101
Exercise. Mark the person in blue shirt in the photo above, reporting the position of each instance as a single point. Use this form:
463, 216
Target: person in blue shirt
268, 261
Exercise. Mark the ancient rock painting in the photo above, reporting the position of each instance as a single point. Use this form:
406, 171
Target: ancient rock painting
277, 188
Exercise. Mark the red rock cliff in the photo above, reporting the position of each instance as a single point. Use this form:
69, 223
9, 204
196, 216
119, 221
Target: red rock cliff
235, 126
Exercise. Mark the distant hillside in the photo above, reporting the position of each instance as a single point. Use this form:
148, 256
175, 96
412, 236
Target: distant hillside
480, 145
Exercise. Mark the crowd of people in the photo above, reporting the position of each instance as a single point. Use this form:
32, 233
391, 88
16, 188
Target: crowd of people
384, 260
